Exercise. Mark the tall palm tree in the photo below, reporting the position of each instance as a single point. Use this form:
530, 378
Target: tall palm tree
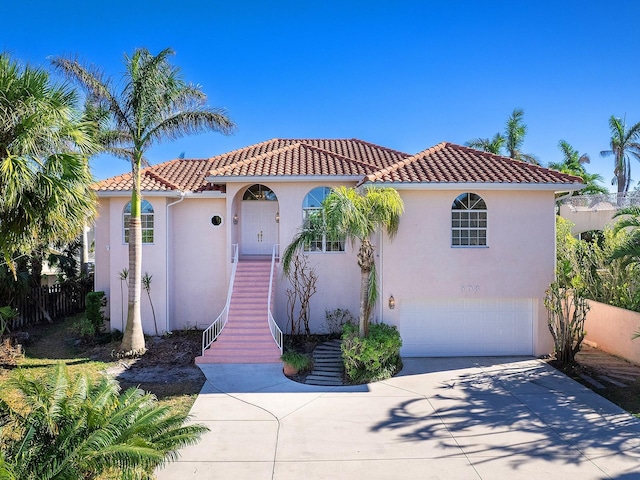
573, 164
493, 145
511, 141
44, 173
63, 426
354, 215
623, 143
154, 104
515, 131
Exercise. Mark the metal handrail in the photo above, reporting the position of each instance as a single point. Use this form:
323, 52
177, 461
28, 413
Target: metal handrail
212, 331
276, 333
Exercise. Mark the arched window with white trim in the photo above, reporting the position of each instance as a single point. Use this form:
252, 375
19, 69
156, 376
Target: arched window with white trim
312, 213
469, 221
146, 219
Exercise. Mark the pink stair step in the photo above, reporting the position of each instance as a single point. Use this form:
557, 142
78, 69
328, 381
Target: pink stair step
246, 338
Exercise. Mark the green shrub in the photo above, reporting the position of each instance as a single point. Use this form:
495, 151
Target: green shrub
374, 357
299, 361
93, 312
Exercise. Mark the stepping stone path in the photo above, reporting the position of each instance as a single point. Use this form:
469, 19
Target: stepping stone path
607, 368
328, 369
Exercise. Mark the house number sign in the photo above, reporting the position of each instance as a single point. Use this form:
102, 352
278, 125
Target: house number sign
469, 288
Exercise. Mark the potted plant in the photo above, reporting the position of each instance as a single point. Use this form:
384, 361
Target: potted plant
295, 362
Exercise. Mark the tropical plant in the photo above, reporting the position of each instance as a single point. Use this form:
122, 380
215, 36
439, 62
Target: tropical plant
73, 427
374, 358
624, 142
573, 164
515, 131
296, 360
492, 145
154, 104
629, 222
146, 284
7, 314
355, 215
44, 173
510, 142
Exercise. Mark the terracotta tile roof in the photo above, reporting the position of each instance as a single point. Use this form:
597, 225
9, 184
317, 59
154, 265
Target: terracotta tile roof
293, 160
274, 157
446, 162
451, 163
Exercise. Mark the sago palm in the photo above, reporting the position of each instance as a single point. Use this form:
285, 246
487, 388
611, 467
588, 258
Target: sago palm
354, 215
624, 142
154, 103
72, 427
44, 173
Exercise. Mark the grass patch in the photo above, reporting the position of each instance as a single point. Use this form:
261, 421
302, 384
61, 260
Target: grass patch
59, 342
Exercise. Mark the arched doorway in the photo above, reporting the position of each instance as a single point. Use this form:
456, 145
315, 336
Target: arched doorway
259, 221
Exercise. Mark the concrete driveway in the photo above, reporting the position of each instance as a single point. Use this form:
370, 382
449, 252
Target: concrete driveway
441, 418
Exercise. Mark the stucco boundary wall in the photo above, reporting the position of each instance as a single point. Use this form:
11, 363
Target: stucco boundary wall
611, 328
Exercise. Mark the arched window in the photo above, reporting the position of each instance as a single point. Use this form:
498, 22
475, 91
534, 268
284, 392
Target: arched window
312, 215
259, 192
146, 219
468, 221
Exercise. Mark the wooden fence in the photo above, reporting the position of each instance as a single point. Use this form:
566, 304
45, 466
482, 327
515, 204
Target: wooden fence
50, 303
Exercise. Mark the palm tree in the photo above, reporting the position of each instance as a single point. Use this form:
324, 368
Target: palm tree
64, 426
154, 104
493, 145
356, 216
623, 143
515, 131
44, 173
629, 250
512, 140
573, 164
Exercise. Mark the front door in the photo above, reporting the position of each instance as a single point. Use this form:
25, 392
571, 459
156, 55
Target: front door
259, 230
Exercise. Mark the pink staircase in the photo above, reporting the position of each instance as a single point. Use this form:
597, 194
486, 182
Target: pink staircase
246, 337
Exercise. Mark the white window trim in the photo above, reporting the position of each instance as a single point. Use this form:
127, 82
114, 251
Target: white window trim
125, 226
470, 229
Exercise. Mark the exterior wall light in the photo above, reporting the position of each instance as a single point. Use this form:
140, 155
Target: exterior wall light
235, 219
392, 303
277, 217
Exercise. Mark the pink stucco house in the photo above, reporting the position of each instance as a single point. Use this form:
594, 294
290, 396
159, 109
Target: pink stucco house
467, 270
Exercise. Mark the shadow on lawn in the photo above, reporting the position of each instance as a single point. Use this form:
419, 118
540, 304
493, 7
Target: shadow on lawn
522, 410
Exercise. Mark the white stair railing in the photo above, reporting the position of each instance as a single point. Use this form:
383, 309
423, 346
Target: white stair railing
212, 331
276, 333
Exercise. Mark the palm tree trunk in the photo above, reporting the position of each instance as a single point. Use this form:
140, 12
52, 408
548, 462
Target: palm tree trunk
133, 338
365, 261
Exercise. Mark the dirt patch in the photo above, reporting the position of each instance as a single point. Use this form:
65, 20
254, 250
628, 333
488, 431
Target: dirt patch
166, 369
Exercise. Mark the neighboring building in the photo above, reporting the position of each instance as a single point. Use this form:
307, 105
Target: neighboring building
468, 268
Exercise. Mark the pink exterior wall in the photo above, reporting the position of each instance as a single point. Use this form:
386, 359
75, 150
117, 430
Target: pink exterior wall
111, 251
200, 262
418, 264
517, 263
338, 272
611, 328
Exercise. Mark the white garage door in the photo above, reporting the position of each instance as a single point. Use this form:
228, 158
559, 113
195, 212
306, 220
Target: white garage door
458, 327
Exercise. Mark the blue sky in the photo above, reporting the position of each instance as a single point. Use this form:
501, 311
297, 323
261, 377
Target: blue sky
406, 75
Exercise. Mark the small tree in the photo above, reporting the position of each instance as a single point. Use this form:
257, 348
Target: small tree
146, 284
567, 309
303, 285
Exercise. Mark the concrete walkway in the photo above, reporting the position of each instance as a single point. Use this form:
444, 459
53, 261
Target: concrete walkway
441, 418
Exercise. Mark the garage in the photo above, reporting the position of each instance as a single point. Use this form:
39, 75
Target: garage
465, 327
